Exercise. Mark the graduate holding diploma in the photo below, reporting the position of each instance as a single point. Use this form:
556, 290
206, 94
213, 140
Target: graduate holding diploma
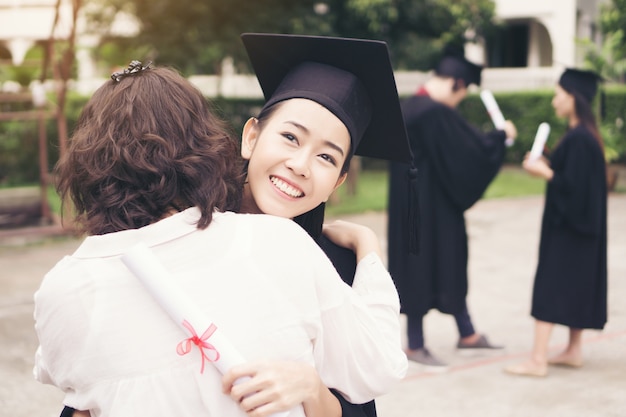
455, 163
141, 172
495, 113
570, 286
543, 131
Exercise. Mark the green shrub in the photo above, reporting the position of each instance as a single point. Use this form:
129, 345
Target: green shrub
612, 128
19, 144
528, 109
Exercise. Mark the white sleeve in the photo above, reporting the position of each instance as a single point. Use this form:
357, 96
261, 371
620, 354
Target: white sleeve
362, 349
355, 332
373, 283
40, 370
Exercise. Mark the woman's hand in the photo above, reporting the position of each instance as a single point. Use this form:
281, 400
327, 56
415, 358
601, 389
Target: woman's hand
510, 129
275, 386
360, 239
538, 168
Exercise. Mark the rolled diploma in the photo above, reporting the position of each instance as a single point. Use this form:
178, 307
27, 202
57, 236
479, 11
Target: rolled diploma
160, 283
142, 262
494, 112
492, 108
540, 141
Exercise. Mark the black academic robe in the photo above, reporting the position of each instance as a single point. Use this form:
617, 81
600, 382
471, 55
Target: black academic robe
571, 281
455, 164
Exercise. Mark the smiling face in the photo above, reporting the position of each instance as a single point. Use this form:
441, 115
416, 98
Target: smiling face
295, 158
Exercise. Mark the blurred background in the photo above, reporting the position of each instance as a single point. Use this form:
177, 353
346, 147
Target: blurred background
55, 53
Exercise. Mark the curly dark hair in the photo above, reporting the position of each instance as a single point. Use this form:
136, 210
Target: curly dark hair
145, 146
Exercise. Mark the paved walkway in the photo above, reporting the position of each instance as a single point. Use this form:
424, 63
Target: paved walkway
504, 237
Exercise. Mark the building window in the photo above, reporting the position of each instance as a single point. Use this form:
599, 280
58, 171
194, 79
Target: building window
508, 46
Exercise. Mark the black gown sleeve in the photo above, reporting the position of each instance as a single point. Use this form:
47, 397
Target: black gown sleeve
355, 410
343, 259
577, 187
465, 159
67, 412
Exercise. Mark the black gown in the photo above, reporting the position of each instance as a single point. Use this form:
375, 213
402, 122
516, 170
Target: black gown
571, 281
455, 164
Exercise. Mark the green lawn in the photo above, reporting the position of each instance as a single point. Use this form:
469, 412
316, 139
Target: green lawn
372, 190
514, 182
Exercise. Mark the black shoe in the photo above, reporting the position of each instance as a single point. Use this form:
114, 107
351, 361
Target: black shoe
426, 359
481, 343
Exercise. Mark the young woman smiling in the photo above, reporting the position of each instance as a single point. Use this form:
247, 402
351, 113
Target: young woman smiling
324, 105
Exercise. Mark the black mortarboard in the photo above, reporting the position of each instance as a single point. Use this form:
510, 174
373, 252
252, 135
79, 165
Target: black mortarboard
458, 67
583, 82
352, 78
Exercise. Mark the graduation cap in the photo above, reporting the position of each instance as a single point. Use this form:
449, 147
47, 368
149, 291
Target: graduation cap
352, 78
580, 81
458, 67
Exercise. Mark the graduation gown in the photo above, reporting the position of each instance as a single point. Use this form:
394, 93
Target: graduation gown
571, 281
455, 163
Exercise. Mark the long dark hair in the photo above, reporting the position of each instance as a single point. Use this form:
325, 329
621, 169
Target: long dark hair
145, 146
585, 114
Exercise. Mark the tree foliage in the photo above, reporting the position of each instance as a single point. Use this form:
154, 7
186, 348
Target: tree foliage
613, 20
609, 58
196, 36
604, 59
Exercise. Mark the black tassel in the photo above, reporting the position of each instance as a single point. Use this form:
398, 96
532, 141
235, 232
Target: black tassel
413, 221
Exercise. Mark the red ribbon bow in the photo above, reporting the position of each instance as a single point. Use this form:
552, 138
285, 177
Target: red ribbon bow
184, 347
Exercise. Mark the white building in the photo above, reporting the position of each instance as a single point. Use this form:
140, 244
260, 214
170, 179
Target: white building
537, 41
26, 24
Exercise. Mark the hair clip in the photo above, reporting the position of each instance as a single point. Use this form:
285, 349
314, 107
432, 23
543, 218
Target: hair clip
133, 68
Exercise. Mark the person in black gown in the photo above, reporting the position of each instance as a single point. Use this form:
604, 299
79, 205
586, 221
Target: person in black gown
570, 285
385, 137
455, 163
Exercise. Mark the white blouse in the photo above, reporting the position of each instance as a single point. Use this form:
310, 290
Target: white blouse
267, 286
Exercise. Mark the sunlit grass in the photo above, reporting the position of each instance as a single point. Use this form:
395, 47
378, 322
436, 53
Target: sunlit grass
373, 185
514, 182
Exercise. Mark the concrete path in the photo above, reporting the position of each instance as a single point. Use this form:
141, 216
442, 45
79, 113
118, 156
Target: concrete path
504, 238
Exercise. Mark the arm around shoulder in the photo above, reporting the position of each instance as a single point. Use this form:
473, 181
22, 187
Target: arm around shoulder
368, 324
353, 351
